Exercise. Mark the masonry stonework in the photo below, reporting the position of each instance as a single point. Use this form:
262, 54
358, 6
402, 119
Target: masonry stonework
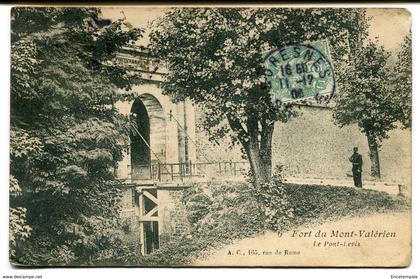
312, 146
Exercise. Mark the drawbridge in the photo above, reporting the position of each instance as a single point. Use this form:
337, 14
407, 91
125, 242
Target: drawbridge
152, 183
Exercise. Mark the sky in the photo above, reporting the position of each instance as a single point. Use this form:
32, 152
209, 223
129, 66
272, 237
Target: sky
389, 25
137, 16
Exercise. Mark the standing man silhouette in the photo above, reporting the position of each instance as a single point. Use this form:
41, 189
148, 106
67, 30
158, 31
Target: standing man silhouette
357, 161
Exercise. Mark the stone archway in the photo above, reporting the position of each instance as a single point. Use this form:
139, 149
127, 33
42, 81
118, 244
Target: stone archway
148, 143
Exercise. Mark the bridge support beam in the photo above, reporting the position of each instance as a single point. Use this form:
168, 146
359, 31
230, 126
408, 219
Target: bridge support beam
148, 210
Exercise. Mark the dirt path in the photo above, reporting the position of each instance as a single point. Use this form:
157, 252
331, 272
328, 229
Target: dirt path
377, 240
391, 188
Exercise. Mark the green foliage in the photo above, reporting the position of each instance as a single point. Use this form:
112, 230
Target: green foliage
107, 247
197, 203
401, 84
19, 230
235, 211
215, 57
364, 93
228, 211
273, 198
371, 96
66, 134
316, 203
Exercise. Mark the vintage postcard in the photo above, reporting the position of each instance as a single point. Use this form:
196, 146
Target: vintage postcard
210, 136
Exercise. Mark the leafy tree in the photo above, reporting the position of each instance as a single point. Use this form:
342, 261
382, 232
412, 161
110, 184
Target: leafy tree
401, 84
215, 58
365, 98
66, 134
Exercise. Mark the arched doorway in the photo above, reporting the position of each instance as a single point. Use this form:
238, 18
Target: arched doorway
148, 141
148, 149
140, 141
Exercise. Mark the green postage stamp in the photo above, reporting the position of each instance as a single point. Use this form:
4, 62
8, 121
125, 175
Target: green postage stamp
300, 71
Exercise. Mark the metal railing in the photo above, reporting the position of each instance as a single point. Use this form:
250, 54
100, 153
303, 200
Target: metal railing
188, 170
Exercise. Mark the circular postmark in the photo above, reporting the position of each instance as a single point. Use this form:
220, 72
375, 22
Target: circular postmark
300, 71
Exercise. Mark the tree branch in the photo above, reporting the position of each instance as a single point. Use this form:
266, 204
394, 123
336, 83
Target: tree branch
237, 127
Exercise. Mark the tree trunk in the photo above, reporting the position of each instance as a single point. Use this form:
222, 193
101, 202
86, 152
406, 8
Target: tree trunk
258, 166
257, 145
374, 156
266, 147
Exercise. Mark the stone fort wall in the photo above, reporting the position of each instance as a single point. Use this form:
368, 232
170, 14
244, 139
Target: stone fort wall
312, 146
